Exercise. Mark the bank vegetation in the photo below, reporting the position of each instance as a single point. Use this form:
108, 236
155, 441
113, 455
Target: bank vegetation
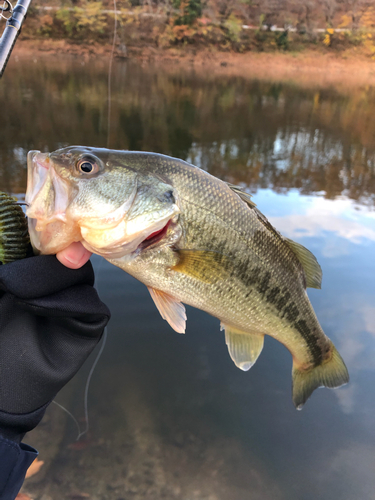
235, 25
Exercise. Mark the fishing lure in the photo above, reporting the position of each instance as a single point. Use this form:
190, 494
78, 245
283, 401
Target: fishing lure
14, 236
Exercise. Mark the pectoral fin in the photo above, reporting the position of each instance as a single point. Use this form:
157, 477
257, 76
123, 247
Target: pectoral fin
204, 265
170, 309
244, 348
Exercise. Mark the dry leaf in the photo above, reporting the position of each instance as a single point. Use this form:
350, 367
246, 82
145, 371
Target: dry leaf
23, 496
34, 467
78, 445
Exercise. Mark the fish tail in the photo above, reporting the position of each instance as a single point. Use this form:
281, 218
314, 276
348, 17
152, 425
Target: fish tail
330, 373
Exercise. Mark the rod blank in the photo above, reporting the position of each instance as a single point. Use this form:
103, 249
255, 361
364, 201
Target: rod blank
11, 32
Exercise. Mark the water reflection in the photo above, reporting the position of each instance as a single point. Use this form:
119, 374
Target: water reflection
170, 415
316, 217
258, 133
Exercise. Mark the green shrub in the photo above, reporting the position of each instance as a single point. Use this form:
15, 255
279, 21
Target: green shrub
86, 22
233, 27
282, 40
189, 11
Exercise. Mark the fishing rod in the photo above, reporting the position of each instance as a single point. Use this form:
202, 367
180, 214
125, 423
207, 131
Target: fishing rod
12, 28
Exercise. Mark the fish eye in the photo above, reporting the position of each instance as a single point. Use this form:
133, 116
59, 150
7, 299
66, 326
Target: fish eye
87, 166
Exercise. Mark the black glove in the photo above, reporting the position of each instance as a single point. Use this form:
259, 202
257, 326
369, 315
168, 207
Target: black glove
51, 318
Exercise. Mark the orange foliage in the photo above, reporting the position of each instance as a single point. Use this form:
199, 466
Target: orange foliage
368, 18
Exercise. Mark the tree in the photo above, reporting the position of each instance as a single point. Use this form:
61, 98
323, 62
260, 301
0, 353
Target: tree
330, 8
356, 9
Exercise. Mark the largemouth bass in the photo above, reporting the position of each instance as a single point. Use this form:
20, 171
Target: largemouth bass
190, 238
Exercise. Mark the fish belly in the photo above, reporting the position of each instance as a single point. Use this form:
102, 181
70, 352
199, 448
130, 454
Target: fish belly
253, 303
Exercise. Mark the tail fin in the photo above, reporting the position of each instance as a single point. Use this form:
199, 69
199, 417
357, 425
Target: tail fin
331, 373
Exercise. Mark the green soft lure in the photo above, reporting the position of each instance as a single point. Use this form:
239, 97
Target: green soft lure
14, 236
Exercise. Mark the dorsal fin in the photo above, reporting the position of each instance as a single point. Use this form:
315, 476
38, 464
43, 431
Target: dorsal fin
246, 197
313, 271
310, 265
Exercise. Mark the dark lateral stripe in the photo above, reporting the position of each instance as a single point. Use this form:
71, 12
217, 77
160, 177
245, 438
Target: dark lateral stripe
311, 341
256, 278
280, 299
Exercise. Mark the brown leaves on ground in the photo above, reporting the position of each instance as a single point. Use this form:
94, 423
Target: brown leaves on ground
78, 445
34, 468
23, 496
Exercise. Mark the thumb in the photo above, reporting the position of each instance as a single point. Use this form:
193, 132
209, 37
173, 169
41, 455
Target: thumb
74, 256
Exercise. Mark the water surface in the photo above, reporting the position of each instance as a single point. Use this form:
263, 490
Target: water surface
171, 417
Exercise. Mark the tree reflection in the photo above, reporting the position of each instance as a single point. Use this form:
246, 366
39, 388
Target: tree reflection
260, 134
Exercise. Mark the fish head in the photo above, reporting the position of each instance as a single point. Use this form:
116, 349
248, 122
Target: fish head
103, 198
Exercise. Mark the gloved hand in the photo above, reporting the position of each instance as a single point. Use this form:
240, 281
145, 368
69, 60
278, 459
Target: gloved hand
51, 318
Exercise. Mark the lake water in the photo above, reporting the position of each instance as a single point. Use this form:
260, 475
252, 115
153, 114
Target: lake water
170, 415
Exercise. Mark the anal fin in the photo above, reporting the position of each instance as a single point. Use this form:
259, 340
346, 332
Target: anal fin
170, 309
244, 348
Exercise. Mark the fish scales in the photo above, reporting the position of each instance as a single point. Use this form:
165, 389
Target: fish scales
192, 238
208, 223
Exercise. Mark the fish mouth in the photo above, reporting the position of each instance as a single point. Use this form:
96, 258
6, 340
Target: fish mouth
47, 197
155, 237
145, 239
54, 222
37, 173
46, 194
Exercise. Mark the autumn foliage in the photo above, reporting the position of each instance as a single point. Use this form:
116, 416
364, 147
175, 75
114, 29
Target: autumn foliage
239, 25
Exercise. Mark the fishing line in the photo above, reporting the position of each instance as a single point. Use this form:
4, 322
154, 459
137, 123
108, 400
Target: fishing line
70, 415
86, 394
98, 356
86, 409
87, 385
105, 334
110, 74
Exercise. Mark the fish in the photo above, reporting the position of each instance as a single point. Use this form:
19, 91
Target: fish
193, 239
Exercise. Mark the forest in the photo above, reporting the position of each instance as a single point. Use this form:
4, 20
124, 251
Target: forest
239, 25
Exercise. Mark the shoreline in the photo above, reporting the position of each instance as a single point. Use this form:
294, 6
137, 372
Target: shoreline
308, 68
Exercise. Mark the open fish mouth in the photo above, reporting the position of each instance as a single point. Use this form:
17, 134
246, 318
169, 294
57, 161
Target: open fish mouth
47, 197
144, 239
47, 194
155, 237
